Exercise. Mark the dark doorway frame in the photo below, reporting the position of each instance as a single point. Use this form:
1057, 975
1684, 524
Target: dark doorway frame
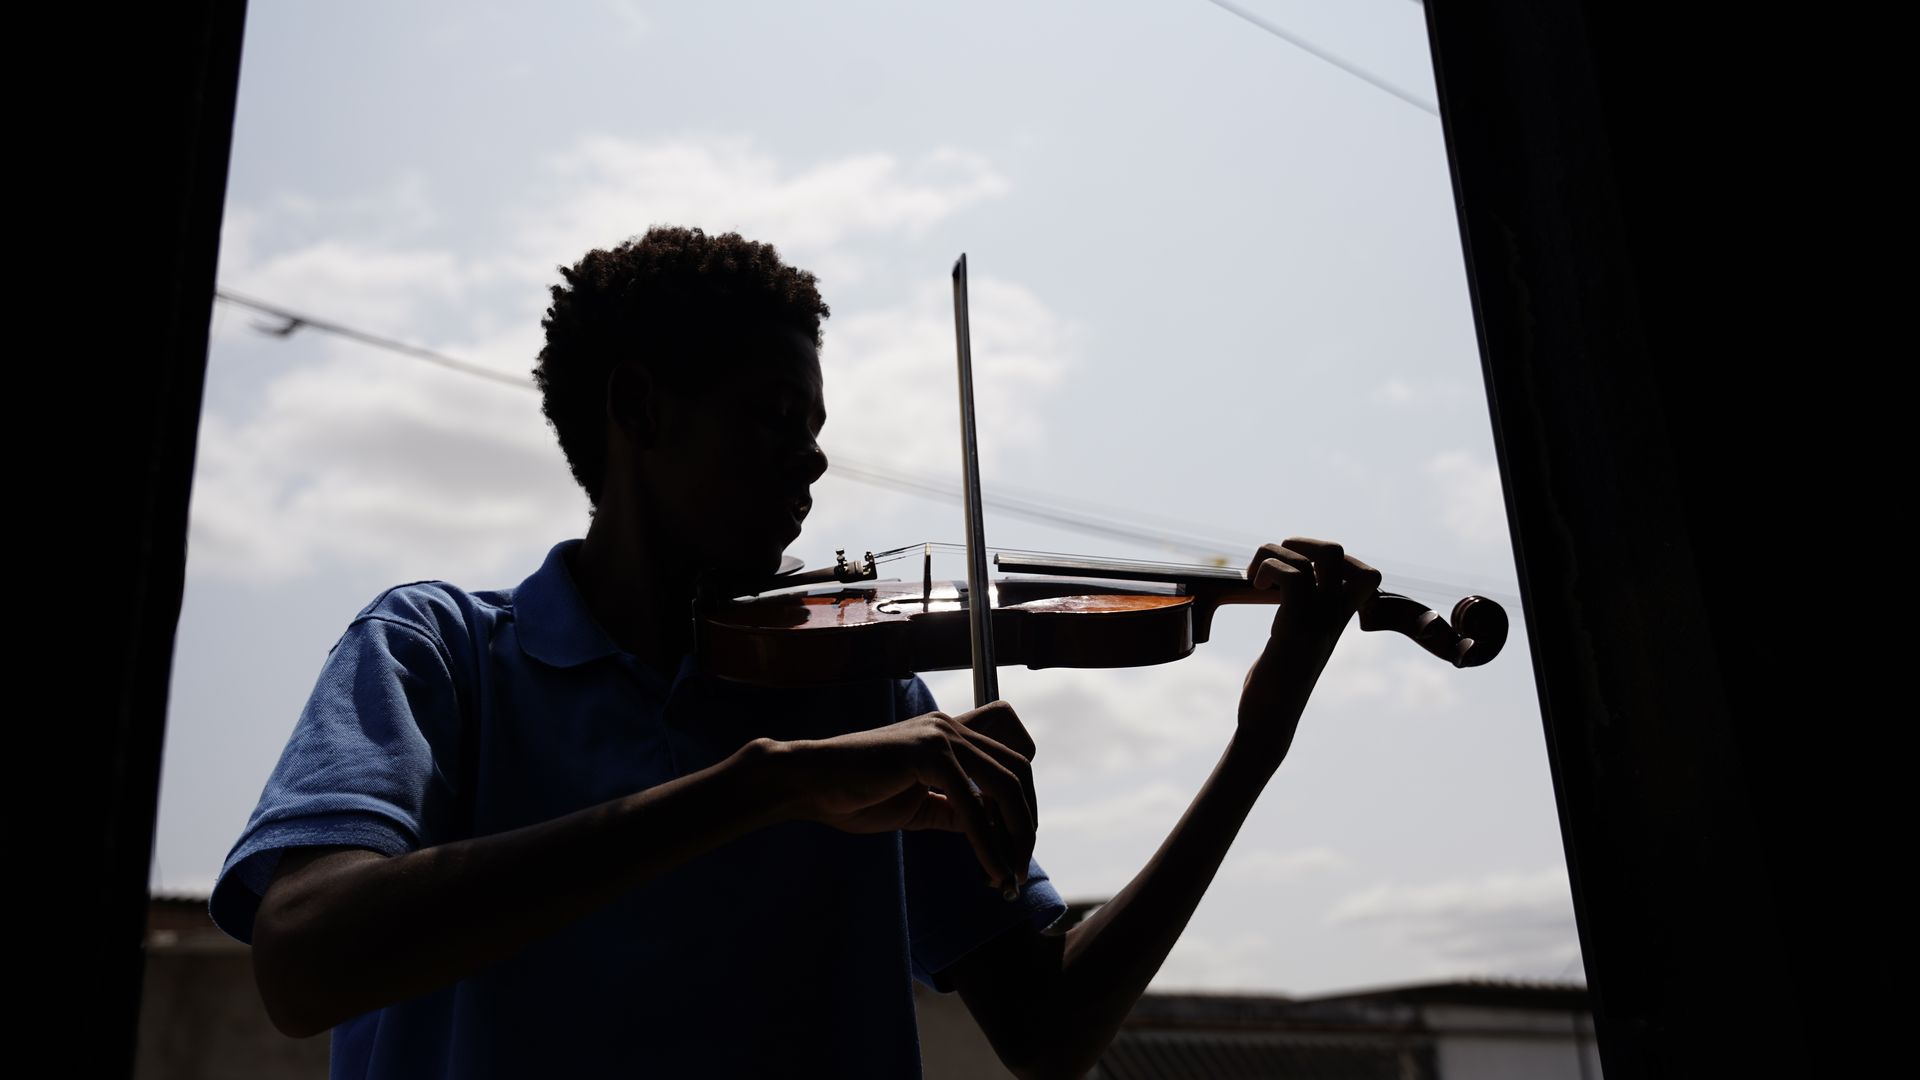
1634, 184
1613, 287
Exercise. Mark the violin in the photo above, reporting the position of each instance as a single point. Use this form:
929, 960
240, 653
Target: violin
1047, 611
841, 623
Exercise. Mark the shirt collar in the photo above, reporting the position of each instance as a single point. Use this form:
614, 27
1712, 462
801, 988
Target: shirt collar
552, 620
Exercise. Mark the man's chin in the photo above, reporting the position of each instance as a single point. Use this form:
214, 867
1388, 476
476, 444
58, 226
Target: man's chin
751, 566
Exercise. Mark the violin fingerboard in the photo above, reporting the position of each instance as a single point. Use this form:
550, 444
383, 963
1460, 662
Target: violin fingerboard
1117, 569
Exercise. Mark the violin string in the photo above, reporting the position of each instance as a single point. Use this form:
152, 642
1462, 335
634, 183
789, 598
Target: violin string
912, 550
1410, 586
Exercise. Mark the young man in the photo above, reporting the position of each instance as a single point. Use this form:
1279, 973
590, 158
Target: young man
518, 832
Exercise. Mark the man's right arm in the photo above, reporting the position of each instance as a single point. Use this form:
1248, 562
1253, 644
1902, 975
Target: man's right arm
343, 931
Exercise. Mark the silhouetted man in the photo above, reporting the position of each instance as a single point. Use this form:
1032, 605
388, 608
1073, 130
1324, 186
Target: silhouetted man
518, 832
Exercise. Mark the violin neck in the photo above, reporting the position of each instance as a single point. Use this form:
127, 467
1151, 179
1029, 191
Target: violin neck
1210, 586
1024, 562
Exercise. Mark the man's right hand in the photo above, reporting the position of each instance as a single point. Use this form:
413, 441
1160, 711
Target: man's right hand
969, 773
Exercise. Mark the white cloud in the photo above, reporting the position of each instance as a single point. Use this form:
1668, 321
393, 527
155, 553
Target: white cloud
369, 461
631, 18
369, 458
1153, 809
1275, 867
1383, 669
1107, 720
1472, 506
1200, 961
890, 377
356, 283
1395, 392
1514, 924
344, 260
239, 230
607, 188
1428, 392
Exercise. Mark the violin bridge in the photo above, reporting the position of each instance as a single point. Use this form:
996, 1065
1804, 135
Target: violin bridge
846, 572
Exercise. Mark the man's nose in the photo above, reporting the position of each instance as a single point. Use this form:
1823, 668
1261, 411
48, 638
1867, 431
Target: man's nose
814, 462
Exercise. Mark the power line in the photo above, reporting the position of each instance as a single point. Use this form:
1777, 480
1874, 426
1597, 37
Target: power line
1311, 49
296, 321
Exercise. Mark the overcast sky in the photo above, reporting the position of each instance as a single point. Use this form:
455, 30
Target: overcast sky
1217, 289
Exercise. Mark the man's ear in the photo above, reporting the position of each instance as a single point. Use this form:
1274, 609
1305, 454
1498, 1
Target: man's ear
633, 403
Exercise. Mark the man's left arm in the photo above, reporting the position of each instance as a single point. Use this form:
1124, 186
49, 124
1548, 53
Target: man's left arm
1051, 1004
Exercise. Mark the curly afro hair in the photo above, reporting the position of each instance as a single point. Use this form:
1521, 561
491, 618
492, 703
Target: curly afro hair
674, 300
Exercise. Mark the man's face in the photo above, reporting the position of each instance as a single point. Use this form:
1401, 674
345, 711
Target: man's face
730, 478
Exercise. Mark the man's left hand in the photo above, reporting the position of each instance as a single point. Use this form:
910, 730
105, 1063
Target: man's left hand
1320, 587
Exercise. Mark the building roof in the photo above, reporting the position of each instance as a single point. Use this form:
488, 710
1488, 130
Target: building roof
1495, 993
1177, 1056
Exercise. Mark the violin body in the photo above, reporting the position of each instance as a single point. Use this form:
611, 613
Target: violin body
896, 629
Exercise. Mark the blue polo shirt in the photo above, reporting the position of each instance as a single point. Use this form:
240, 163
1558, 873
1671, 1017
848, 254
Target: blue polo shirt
442, 714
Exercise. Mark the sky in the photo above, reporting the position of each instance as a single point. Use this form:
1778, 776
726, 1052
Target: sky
1216, 289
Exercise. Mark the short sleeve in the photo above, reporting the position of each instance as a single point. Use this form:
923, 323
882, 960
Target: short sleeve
363, 766
951, 910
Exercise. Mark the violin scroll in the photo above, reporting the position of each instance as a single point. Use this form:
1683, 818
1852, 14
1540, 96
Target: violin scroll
1476, 635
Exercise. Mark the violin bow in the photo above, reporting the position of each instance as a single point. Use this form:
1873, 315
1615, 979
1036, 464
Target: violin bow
986, 678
